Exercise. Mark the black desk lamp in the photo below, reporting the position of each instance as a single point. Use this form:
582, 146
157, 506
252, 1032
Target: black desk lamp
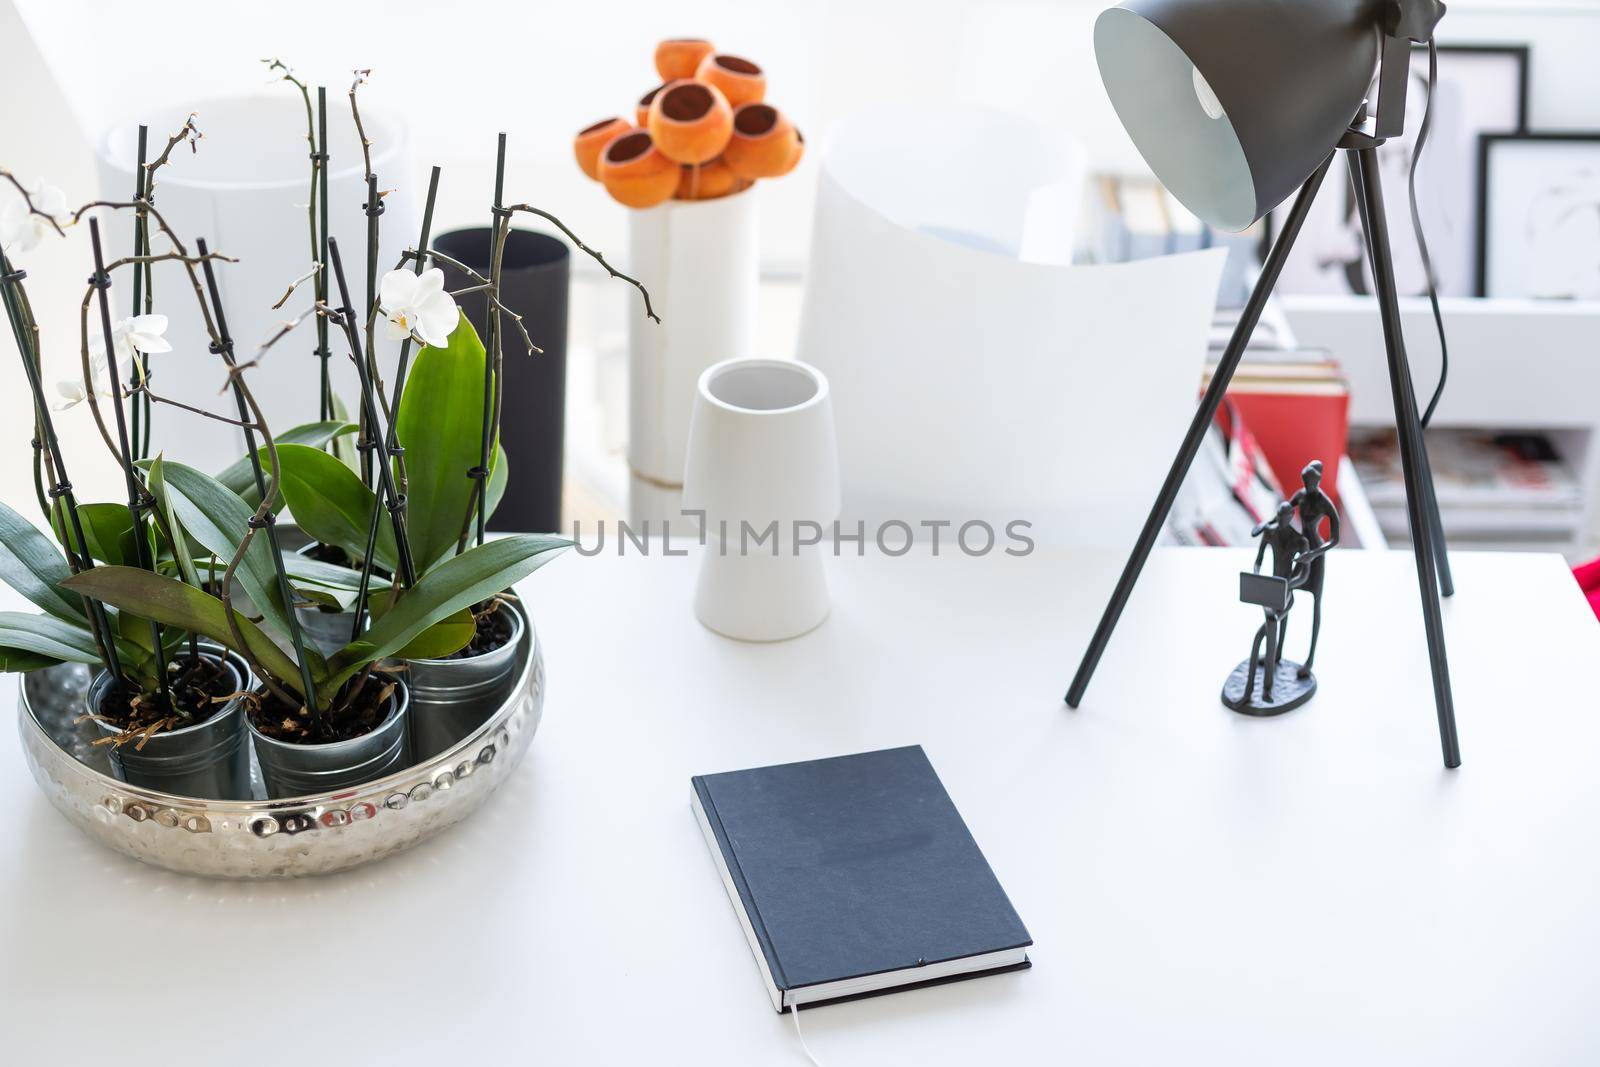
1233, 104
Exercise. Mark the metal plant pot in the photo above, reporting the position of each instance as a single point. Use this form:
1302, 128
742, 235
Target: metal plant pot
327, 630
291, 770
259, 838
450, 698
209, 759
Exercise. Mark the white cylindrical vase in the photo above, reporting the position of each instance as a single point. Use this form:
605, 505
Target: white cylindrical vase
699, 259
763, 467
246, 189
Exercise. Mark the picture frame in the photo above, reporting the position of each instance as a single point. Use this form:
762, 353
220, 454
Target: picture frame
1482, 88
1539, 214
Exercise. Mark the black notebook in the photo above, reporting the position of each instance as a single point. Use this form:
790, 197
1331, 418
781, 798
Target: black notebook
854, 876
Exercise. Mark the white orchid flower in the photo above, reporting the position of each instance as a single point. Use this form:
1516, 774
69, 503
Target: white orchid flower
416, 305
20, 229
140, 333
147, 333
74, 391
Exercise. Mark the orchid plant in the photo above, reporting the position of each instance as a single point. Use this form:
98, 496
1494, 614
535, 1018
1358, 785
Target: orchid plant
448, 471
134, 584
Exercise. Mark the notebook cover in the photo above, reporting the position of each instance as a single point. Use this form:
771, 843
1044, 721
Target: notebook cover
854, 866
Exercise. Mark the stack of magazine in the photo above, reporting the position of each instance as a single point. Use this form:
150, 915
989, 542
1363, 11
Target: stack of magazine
1496, 490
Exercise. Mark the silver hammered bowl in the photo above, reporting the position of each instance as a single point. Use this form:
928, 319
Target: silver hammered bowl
288, 838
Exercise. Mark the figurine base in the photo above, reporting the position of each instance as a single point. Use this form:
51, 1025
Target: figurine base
1289, 689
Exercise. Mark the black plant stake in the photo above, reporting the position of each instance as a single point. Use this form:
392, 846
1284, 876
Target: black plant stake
139, 500
61, 489
369, 406
392, 447
141, 247
491, 363
373, 208
268, 521
320, 155
477, 509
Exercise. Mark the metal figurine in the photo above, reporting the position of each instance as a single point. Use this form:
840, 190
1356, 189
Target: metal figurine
1313, 505
1297, 563
1289, 547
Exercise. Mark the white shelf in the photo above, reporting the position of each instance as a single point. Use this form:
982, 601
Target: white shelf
1514, 365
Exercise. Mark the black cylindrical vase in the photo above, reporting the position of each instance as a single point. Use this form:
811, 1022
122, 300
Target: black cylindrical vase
533, 283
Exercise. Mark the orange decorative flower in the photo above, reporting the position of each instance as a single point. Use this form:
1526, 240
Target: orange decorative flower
708, 181
635, 172
764, 144
641, 110
690, 122
678, 57
740, 80
592, 140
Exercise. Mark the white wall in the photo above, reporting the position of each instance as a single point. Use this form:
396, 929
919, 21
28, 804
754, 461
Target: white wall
461, 70
541, 70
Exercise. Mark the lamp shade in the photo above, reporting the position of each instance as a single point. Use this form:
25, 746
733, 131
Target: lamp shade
1233, 103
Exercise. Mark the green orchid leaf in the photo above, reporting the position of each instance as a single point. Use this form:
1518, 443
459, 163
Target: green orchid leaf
32, 565
330, 504
332, 599
155, 480
133, 632
240, 477
107, 531
45, 635
458, 582
440, 423
344, 446
313, 572
172, 603
18, 661
499, 474
449, 635
328, 584
217, 518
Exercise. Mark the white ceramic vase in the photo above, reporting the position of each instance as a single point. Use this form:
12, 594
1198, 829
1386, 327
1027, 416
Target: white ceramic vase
245, 190
763, 467
699, 259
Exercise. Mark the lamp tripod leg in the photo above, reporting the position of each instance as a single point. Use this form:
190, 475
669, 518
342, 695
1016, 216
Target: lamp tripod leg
1419, 442
1411, 461
1196, 435
1430, 504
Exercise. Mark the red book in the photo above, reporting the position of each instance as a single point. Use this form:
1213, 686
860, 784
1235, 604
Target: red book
1295, 420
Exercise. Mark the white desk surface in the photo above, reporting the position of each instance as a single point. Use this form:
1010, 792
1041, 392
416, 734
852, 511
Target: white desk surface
1202, 887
